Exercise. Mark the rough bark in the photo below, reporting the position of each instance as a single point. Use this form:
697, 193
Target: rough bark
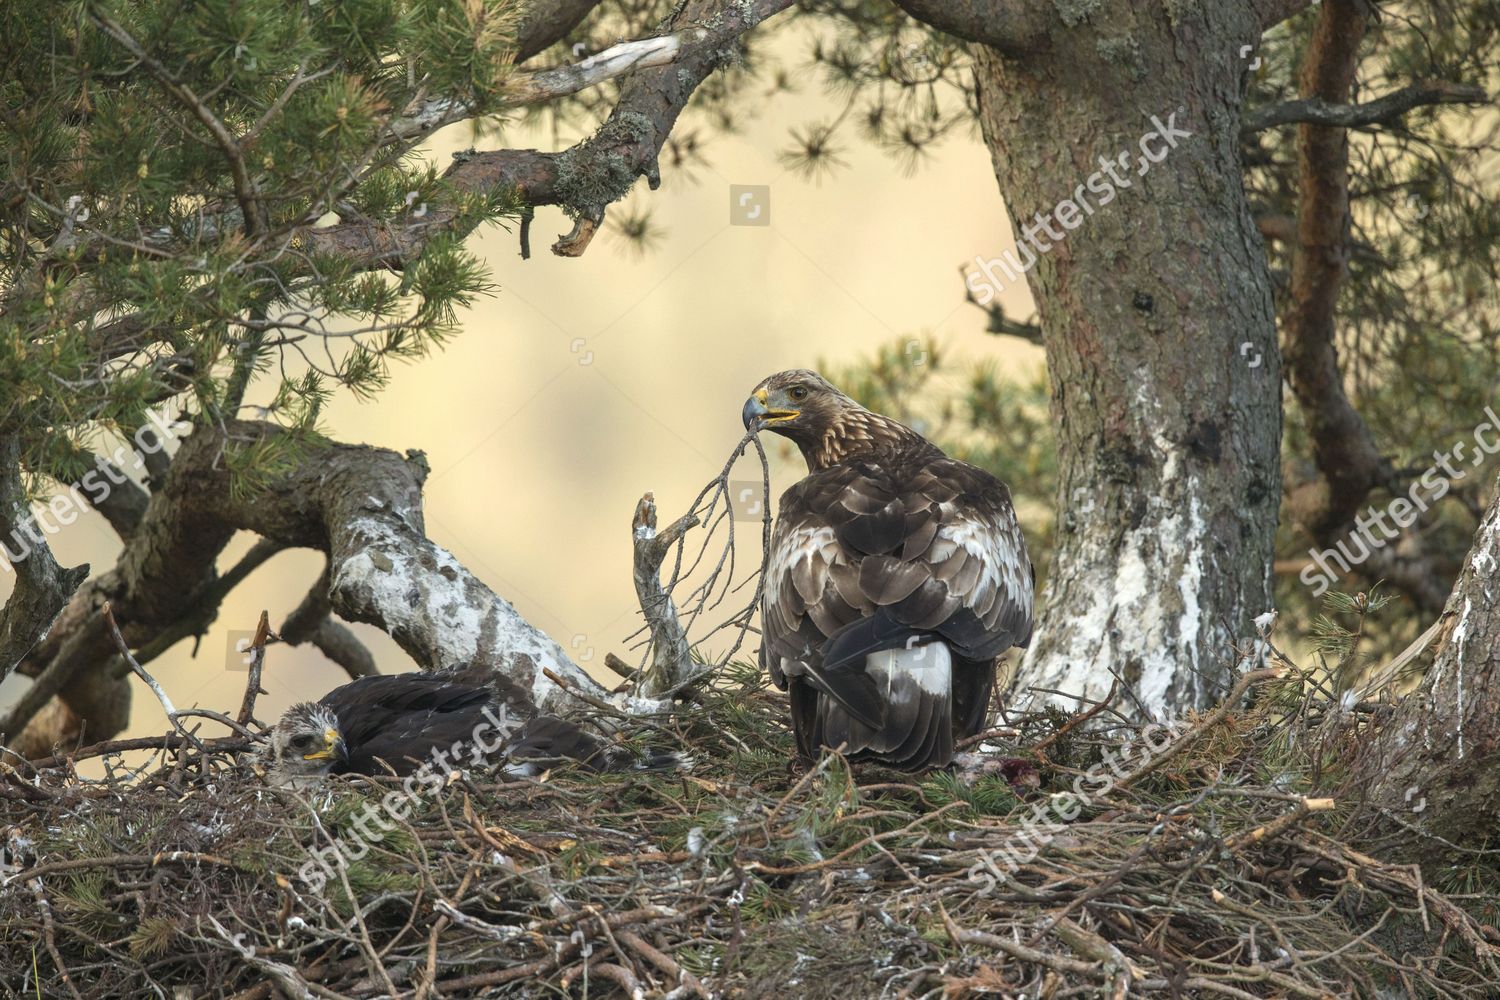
1158, 322
1435, 766
363, 507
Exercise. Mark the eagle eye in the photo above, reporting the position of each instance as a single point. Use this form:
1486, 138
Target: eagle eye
301, 742
797, 392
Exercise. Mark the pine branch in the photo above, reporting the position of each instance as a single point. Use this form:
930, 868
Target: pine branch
244, 187
587, 177
1381, 111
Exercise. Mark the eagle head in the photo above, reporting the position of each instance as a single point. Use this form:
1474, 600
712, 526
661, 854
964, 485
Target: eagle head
824, 423
304, 746
798, 404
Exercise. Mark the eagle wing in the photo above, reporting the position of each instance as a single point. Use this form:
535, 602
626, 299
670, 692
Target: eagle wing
869, 556
402, 718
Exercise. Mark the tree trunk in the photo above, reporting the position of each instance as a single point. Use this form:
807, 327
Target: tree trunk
1157, 317
1434, 765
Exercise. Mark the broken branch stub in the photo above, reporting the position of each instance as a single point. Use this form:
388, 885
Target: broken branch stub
671, 658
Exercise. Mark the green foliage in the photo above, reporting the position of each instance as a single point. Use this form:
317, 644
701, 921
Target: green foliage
163, 166
989, 795
1337, 634
152, 937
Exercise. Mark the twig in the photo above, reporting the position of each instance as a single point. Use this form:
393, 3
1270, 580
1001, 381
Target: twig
140, 671
50, 938
1078, 719
257, 652
1280, 824
1202, 725
168, 741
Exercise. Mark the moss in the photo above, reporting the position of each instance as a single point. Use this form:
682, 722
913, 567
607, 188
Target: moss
598, 173
1075, 12
1123, 51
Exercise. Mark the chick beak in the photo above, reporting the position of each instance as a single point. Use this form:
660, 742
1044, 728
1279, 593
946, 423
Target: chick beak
333, 746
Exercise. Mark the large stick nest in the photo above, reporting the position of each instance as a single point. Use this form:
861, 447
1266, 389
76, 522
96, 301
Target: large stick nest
1208, 872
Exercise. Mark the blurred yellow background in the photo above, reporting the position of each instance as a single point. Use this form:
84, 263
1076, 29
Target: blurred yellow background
584, 383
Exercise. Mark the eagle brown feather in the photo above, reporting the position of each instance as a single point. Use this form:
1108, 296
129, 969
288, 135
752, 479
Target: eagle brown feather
887, 547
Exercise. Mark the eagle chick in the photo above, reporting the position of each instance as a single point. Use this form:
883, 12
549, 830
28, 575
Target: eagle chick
397, 723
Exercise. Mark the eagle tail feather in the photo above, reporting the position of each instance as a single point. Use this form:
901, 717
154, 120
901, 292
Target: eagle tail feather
917, 731
850, 645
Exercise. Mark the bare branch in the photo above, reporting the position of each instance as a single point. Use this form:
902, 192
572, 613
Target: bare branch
257, 653
123, 503
312, 621
1381, 111
1000, 324
161, 695
617, 60
540, 86
363, 507
671, 662
545, 24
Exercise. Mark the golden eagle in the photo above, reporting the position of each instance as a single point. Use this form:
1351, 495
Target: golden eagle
896, 577
400, 723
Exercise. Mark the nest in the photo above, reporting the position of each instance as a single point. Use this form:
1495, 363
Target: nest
1196, 863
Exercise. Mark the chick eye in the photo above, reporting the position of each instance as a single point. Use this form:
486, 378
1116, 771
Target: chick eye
301, 742
797, 392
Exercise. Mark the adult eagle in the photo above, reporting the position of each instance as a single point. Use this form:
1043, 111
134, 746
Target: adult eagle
897, 576
401, 723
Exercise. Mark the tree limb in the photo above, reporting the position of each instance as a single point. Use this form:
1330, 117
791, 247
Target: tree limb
42, 586
1343, 448
312, 622
1010, 26
583, 180
1381, 111
360, 505
1349, 464
363, 507
586, 178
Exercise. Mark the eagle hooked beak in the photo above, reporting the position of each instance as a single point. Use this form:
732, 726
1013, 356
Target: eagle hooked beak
333, 745
758, 413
